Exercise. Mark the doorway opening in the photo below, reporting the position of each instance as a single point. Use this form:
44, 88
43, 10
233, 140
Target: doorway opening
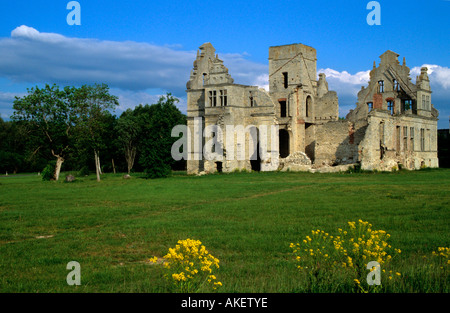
284, 143
219, 167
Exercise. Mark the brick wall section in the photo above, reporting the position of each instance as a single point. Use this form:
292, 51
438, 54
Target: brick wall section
377, 101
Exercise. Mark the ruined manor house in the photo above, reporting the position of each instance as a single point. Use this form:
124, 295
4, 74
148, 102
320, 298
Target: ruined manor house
394, 124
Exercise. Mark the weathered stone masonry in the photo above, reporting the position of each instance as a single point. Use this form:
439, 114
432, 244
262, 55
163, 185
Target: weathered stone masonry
401, 120
394, 123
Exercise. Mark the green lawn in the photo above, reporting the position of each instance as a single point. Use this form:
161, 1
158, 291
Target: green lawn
247, 220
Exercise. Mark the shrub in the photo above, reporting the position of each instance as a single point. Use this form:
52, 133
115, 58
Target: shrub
84, 171
190, 266
155, 166
354, 169
49, 171
323, 256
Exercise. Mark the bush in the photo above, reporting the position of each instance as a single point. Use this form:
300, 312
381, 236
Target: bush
155, 166
49, 171
189, 266
84, 171
354, 169
323, 256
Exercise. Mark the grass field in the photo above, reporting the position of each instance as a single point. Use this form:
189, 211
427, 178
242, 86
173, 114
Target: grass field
247, 220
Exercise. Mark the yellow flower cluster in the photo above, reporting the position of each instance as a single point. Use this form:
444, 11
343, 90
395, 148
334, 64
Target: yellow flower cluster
190, 265
352, 249
443, 253
312, 248
179, 277
365, 244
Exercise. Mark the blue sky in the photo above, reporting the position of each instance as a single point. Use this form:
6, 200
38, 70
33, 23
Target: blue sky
143, 49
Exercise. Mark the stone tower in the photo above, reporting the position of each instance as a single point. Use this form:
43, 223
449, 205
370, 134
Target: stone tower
302, 101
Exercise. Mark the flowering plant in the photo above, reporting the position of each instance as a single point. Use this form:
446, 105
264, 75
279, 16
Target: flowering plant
443, 256
348, 252
189, 266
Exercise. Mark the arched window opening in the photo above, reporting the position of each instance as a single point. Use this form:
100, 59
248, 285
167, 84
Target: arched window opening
308, 106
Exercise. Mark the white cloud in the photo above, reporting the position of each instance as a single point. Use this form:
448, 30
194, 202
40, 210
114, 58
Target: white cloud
360, 78
31, 33
34, 57
439, 75
440, 86
345, 83
262, 81
138, 73
141, 72
348, 85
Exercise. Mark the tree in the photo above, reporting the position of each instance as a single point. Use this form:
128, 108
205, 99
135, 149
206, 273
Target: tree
21, 148
93, 105
112, 149
10, 160
156, 140
49, 111
128, 131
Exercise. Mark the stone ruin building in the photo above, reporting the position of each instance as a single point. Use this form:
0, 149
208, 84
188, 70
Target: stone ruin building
393, 125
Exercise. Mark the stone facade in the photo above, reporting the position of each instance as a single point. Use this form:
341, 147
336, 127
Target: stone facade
296, 125
401, 122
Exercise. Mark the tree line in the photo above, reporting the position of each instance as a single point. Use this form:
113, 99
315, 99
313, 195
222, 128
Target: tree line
75, 129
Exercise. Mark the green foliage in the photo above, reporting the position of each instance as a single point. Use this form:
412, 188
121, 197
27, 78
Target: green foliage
354, 169
10, 161
18, 148
156, 141
93, 116
128, 131
346, 253
153, 159
76, 124
66, 119
48, 171
84, 171
444, 148
51, 112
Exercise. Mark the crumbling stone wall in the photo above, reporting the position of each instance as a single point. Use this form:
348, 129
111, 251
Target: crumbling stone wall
337, 143
402, 122
327, 107
393, 125
401, 141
